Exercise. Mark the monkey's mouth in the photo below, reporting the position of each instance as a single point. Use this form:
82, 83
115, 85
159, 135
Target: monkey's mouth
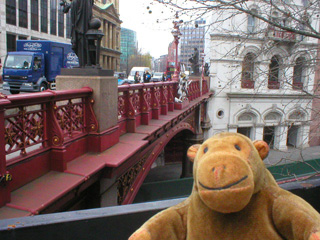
225, 187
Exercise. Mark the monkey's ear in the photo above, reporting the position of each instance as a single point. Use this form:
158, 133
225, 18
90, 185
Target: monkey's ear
262, 148
192, 152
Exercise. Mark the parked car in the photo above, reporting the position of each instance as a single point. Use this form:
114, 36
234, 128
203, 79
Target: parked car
157, 77
122, 78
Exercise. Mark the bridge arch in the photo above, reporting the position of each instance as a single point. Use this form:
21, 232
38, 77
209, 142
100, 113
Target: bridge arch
154, 150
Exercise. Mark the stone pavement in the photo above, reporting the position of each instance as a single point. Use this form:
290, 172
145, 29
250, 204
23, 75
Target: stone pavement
276, 157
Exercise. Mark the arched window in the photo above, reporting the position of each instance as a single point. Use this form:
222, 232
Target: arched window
274, 73
299, 73
252, 21
297, 116
247, 117
247, 75
272, 117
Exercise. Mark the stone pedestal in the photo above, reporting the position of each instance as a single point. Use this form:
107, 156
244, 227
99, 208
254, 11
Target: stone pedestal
182, 105
105, 95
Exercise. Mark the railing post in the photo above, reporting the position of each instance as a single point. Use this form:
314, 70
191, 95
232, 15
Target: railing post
145, 108
131, 118
4, 188
155, 102
105, 95
170, 97
164, 100
55, 139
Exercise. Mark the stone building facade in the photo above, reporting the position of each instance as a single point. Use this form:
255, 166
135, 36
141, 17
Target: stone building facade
43, 19
263, 79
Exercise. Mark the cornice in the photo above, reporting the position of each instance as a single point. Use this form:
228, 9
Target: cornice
270, 95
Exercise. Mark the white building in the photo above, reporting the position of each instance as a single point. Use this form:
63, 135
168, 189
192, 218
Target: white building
262, 76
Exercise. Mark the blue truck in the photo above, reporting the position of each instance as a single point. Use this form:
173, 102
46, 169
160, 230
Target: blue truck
35, 65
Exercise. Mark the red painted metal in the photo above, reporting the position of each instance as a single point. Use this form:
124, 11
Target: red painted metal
205, 86
55, 130
157, 147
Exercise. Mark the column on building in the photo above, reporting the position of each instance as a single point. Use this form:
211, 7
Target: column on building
106, 32
110, 36
282, 133
303, 141
113, 36
258, 132
262, 75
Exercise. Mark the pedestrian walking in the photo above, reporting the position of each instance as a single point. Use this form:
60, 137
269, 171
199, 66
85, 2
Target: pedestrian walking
137, 77
144, 76
148, 77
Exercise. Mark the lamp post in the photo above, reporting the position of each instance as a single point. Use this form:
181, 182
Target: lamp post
176, 34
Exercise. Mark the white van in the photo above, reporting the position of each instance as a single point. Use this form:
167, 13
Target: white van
141, 70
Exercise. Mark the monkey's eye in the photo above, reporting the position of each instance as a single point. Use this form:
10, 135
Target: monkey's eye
205, 150
237, 147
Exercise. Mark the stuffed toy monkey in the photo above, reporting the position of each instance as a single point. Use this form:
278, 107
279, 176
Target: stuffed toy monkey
234, 197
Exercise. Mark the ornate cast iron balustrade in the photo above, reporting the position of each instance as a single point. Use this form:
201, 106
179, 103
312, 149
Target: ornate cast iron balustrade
35, 122
139, 103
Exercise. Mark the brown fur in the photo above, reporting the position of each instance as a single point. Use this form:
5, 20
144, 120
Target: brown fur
234, 197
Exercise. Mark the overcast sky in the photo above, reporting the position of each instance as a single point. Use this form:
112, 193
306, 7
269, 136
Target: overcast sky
153, 30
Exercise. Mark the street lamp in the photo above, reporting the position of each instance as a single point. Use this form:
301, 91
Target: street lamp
176, 34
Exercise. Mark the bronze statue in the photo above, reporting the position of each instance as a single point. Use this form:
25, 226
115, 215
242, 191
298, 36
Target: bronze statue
195, 61
81, 15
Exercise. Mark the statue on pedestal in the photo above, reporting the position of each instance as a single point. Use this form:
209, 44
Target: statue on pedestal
195, 62
81, 22
183, 89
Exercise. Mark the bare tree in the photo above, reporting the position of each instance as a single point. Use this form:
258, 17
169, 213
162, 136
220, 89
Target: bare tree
267, 51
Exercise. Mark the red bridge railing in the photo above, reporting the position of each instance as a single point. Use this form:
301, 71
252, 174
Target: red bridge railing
33, 123
46, 125
139, 103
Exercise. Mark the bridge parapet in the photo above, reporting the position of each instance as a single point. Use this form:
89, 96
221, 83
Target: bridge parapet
40, 123
45, 133
139, 103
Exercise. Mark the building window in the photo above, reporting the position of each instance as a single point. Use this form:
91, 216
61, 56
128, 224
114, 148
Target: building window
246, 131
68, 24
35, 15
60, 22
252, 21
11, 12
44, 16
247, 80
299, 73
53, 17
274, 73
11, 42
23, 13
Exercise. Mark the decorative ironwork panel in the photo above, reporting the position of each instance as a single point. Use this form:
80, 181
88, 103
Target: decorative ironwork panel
205, 87
70, 117
165, 93
157, 95
148, 97
121, 106
126, 181
135, 100
24, 129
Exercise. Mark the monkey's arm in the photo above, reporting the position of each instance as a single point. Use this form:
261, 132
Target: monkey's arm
294, 218
170, 224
